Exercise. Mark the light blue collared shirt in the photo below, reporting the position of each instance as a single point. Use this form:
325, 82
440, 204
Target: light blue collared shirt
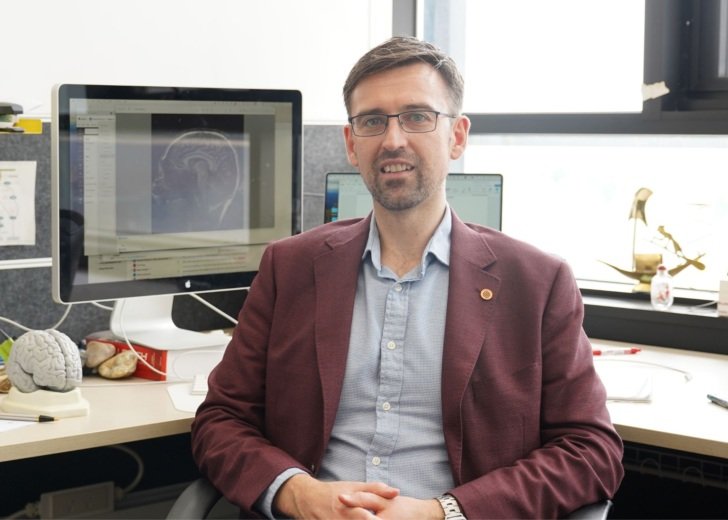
388, 426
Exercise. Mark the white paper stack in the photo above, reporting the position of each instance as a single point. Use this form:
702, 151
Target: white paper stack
624, 382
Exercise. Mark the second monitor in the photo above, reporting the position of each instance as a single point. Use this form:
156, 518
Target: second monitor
475, 197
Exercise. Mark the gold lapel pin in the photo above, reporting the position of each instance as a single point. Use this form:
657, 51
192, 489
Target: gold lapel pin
486, 294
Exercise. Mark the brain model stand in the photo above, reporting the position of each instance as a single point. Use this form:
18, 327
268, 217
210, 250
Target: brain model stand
45, 370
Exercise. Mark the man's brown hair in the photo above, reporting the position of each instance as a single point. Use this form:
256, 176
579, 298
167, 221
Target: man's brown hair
400, 51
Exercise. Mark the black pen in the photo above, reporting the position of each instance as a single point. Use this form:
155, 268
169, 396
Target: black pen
25, 417
718, 401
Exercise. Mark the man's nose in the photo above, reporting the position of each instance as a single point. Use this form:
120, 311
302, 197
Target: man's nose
394, 135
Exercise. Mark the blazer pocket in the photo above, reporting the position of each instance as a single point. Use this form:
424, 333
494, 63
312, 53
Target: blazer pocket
500, 416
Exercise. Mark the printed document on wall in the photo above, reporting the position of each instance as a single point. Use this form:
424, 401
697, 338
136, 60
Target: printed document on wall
17, 203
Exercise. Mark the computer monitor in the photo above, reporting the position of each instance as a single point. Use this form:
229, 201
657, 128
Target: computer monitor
475, 197
159, 191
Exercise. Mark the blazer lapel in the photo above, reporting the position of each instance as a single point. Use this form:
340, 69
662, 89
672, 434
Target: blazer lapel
336, 273
471, 295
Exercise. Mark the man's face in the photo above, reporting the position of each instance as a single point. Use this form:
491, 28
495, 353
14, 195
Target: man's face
404, 169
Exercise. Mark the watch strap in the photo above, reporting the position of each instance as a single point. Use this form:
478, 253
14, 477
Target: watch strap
451, 507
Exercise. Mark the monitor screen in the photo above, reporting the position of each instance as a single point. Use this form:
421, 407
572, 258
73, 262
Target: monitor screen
160, 191
475, 197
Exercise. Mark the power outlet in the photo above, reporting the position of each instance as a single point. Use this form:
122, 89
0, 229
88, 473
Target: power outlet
80, 502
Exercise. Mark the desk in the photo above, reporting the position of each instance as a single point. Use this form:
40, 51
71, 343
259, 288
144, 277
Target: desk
120, 411
679, 416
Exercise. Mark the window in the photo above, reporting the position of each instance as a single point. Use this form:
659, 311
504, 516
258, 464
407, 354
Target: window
554, 90
573, 194
701, 28
557, 56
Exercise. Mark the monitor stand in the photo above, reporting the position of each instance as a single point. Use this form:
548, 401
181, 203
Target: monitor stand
147, 320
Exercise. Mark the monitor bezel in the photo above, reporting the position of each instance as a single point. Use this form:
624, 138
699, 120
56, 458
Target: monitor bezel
64, 221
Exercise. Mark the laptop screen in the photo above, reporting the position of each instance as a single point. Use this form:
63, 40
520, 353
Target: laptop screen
475, 197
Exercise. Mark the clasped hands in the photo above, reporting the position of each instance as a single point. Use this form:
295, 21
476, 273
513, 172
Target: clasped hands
303, 496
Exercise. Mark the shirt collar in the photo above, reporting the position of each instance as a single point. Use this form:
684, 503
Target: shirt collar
438, 247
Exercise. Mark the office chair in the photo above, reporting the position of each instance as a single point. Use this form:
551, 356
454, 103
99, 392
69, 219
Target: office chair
199, 497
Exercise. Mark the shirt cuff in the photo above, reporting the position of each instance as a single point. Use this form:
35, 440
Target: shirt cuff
264, 504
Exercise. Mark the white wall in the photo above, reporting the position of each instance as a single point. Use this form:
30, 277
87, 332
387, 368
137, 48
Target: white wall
308, 45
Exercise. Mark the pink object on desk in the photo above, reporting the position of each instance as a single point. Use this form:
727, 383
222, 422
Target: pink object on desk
616, 351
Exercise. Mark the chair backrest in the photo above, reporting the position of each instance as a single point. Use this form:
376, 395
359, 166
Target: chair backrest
596, 511
196, 501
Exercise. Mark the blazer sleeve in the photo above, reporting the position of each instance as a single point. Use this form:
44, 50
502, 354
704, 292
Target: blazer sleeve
228, 441
573, 458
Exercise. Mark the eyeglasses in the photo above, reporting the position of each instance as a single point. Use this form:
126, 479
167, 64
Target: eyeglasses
412, 121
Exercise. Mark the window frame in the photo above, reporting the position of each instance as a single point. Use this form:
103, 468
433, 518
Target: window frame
696, 104
705, 88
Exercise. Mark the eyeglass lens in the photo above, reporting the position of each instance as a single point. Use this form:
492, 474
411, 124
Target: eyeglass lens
413, 121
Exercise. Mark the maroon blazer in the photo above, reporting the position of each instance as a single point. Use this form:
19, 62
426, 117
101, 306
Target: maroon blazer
526, 426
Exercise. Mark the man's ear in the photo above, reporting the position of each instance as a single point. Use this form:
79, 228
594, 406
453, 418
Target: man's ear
350, 152
459, 137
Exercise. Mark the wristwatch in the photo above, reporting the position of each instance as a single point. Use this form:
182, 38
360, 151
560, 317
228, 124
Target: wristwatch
451, 507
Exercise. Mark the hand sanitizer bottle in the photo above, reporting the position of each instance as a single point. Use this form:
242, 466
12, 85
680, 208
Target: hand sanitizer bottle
661, 289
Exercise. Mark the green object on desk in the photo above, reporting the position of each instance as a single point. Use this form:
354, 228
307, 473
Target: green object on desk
5, 347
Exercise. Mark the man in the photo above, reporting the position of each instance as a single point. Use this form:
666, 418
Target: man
408, 365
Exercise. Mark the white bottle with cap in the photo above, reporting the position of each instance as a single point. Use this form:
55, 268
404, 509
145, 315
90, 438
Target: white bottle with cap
661, 294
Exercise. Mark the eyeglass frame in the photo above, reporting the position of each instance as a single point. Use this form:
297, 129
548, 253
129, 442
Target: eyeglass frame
401, 125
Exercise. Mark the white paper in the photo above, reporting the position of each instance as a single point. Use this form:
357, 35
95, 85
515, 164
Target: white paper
6, 426
17, 203
182, 397
625, 383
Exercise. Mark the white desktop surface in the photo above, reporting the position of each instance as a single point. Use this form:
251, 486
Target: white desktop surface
678, 416
120, 411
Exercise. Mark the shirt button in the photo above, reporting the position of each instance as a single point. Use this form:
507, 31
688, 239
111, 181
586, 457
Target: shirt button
398, 287
391, 345
376, 461
386, 407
